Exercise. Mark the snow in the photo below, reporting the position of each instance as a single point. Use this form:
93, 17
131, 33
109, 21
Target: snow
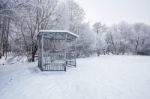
104, 77
13, 59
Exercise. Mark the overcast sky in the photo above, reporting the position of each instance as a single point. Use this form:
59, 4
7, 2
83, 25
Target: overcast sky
115, 11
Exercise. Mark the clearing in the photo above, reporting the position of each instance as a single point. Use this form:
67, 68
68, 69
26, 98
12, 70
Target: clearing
104, 77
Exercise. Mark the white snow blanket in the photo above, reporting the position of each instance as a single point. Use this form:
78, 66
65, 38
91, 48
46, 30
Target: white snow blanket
104, 77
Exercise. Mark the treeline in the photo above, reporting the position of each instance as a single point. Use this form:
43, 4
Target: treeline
21, 20
123, 38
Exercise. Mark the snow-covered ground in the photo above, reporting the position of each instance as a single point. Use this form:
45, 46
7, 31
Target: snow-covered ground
104, 77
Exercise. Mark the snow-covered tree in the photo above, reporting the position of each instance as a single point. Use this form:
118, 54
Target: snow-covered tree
124, 38
6, 18
100, 30
140, 37
118, 38
34, 16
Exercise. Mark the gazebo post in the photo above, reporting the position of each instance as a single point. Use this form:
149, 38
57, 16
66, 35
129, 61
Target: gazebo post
38, 43
42, 52
66, 50
75, 53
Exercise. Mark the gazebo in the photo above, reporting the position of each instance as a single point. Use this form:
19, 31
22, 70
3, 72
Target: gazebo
56, 50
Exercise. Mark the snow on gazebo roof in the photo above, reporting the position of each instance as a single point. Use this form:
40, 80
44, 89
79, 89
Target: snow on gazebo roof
43, 32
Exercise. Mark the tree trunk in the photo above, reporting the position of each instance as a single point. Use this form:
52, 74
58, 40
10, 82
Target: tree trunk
136, 47
34, 49
104, 52
7, 33
98, 52
0, 55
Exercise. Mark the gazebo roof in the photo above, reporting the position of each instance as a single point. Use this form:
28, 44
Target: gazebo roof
58, 31
57, 34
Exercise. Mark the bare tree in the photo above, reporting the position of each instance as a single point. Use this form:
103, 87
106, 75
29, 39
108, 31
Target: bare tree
37, 15
100, 30
6, 18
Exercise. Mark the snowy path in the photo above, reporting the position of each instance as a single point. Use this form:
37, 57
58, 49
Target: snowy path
104, 77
